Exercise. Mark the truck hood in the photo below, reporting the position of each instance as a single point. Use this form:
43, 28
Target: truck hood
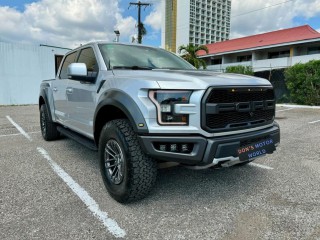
191, 79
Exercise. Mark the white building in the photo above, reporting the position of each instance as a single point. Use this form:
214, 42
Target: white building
23, 67
264, 52
269, 54
194, 21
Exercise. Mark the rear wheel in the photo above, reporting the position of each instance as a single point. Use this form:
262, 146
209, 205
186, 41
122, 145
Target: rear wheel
48, 128
127, 172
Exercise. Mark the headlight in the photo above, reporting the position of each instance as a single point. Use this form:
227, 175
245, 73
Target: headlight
165, 101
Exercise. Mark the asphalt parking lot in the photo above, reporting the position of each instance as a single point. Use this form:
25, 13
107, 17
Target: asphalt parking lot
53, 190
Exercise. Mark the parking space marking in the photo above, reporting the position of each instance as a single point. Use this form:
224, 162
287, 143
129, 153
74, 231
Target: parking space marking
17, 134
314, 122
19, 128
109, 223
260, 166
285, 110
9, 135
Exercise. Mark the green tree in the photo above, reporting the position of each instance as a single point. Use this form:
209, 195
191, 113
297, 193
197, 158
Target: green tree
303, 82
247, 70
189, 53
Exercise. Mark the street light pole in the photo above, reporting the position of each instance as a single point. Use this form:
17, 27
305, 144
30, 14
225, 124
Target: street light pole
117, 32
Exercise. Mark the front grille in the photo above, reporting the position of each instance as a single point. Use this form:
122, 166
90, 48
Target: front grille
237, 108
243, 95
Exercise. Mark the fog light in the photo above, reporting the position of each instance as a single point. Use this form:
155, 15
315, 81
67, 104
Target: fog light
173, 147
163, 147
184, 148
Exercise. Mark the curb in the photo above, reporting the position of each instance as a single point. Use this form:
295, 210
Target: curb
298, 106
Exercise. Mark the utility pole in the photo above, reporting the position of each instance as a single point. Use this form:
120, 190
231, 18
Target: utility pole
139, 4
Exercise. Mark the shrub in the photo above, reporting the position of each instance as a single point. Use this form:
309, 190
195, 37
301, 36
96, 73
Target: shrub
247, 70
303, 82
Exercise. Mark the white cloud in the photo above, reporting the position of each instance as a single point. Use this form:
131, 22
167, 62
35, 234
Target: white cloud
269, 19
65, 23
154, 18
69, 23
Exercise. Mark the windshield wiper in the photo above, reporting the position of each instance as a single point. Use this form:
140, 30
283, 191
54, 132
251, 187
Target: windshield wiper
132, 67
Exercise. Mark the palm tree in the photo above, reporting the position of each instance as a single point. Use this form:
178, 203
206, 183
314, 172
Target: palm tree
189, 53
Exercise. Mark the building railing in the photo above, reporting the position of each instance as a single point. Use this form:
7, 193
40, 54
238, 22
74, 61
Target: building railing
265, 64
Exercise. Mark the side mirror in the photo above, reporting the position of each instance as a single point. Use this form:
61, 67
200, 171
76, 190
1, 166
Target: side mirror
79, 71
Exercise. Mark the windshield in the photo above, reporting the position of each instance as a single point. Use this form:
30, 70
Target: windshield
137, 57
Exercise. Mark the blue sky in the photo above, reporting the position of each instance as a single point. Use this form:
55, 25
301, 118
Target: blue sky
73, 22
154, 37
18, 4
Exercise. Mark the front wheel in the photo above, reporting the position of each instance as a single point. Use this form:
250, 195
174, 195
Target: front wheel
48, 128
127, 172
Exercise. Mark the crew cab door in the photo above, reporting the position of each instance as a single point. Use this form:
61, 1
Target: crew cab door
82, 95
59, 89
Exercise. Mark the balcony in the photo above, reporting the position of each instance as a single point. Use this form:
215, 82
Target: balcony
305, 58
267, 64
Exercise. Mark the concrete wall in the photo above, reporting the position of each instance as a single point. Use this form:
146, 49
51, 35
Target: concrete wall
22, 68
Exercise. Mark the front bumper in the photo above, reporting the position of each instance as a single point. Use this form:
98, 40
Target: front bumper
206, 151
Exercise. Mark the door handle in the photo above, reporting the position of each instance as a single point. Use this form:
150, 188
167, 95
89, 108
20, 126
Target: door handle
69, 90
55, 89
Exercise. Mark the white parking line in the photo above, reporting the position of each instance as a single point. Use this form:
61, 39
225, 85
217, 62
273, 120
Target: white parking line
314, 122
285, 110
260, 166
19, 128
9, 135
109, 223
17, 134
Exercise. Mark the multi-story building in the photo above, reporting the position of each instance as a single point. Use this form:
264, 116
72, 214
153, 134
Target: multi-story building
272, 50
194, 21
268, 54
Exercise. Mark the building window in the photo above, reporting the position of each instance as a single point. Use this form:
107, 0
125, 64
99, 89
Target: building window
280, 54
245, 58
313, 50
216, 61
57, 62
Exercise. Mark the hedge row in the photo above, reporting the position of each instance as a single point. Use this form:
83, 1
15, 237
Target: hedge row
303, 82
247, 70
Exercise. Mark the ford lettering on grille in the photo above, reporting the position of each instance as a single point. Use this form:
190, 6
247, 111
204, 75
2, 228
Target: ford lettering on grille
216, 108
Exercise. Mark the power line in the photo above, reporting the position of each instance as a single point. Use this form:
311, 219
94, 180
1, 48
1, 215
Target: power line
256, 10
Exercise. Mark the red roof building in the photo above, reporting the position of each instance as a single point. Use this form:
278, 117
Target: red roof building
278, 49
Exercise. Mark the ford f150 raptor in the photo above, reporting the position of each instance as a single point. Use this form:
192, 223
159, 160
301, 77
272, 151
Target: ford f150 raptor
139, 105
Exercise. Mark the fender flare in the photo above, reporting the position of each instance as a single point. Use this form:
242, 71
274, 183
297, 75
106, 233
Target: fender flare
44, 94
127, 105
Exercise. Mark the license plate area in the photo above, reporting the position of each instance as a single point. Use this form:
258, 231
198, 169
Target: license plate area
256, 149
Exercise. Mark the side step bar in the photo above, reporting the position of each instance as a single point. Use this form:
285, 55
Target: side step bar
78, 138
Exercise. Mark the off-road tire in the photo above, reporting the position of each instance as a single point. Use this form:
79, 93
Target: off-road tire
48, 128
139, 170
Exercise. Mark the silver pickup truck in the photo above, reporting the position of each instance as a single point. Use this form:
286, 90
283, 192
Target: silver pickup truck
138, 106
